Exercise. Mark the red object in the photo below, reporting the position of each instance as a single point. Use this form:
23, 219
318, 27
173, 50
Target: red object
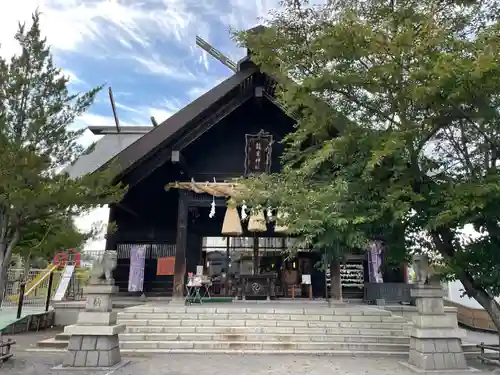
165, 266
63, 257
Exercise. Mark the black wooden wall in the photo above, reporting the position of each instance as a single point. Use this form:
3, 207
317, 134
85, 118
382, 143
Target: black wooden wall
151, 215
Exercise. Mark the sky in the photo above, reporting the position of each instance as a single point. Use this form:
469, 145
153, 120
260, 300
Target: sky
144, 49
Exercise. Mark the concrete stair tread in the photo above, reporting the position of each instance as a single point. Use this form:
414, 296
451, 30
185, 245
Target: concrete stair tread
135, 352
268, 352
330, 337
263, 323
254, 310
316, 352
259, 345
53, 342
260, 342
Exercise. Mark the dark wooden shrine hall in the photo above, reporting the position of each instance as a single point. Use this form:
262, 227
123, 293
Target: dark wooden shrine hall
232, 131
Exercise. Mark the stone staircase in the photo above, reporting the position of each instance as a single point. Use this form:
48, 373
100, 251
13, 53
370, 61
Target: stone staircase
268, 328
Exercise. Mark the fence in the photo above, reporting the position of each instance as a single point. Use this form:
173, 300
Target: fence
34, 292
490, 354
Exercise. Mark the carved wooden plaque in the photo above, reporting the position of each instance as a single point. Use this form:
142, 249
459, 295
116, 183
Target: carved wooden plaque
258, 152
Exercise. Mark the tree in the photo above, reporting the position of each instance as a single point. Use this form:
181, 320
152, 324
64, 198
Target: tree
397, 108
37, 140
41, 240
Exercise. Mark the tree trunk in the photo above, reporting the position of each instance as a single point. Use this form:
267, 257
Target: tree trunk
3, 274
484, 299
443, 240
335, 280
6, 248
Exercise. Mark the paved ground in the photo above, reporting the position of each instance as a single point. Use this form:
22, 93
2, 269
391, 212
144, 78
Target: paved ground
40, 363
29, 363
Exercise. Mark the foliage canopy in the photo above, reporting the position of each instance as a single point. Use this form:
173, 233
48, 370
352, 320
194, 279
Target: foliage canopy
397, 138
37, 140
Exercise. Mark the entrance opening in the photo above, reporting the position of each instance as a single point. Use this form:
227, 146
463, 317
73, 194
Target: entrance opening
230, 261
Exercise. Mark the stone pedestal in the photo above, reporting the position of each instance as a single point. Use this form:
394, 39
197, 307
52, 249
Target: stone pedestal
94, 338
435, 340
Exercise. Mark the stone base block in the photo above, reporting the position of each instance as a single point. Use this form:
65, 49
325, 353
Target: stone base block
437, 354
92, 351
97, 318
82, 330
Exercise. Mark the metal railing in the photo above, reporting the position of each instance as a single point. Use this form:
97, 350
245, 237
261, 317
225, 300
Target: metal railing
489, 358
37, 298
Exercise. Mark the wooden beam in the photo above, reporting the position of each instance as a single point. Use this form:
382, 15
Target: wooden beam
126, 209
180, 247
113, 108
144, 168
153, 121
212, 120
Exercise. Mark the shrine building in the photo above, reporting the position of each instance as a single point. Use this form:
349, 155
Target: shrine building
180, 174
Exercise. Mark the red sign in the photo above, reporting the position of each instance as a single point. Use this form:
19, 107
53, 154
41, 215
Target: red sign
165, 266
63, 257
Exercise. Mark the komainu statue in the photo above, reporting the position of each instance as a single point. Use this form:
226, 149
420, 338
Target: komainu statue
422, 268
102, 268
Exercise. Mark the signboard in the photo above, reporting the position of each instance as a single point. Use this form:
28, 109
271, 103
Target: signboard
165, 266
136, 274
258, 149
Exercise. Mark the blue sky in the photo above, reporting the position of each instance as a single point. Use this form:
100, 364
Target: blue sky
145, 50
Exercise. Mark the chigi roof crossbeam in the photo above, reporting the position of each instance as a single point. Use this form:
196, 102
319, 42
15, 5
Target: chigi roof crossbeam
208, 48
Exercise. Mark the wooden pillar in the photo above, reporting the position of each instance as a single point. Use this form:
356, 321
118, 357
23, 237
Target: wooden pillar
180, 247
111, 236
335, 281
256, 254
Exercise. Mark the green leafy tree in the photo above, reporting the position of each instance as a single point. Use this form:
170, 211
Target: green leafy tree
41, 240
397, 108
37, 140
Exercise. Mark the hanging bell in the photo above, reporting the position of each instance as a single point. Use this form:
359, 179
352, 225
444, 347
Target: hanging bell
257, 222
280, 227
232, 224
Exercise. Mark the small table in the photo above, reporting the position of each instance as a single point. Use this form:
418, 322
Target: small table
206, 289
193, 293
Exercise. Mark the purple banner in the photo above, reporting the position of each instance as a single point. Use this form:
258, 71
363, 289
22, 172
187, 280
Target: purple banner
375, 261
136, 274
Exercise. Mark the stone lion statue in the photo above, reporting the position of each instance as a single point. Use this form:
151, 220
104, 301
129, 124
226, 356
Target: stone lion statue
103, 266
422, 268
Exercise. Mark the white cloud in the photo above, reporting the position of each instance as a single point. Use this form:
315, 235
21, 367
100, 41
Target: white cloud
128, 29
87, 222
107, 28
196, 91
73, 78
155, 64
160, 115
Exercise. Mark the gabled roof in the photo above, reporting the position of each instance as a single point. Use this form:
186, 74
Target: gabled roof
106, 148
152, 141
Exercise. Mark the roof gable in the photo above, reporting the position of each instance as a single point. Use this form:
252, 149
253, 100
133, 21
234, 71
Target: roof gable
151, 142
